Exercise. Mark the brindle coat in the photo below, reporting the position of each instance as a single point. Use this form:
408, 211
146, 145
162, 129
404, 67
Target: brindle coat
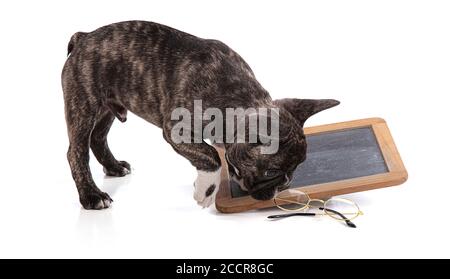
149, 69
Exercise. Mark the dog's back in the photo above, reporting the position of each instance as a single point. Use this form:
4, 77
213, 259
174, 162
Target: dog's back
135, 62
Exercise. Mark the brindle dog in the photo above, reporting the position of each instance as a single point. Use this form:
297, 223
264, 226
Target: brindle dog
149, 69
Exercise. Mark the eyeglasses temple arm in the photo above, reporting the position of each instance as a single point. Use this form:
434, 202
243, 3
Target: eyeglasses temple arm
347, 221
291, 214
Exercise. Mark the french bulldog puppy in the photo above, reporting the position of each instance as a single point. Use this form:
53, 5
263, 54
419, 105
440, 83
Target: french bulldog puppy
150, 69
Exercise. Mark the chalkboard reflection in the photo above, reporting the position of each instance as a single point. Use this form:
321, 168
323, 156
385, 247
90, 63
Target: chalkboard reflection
335, 156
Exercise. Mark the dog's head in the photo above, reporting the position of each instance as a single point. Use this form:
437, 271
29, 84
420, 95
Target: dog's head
262, 175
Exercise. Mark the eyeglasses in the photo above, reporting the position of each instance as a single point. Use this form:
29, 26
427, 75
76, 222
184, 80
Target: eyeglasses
298, 202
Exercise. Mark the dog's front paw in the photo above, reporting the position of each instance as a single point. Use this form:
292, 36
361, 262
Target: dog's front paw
119, 170
206, 187
95, 199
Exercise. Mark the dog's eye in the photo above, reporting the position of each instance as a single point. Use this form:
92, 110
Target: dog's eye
272, 173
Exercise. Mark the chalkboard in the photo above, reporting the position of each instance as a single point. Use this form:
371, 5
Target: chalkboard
342, 158
335, 155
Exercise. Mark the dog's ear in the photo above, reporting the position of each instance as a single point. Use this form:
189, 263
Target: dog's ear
302, 109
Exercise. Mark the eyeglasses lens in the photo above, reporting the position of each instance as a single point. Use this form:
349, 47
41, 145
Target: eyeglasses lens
341, 209
291, 200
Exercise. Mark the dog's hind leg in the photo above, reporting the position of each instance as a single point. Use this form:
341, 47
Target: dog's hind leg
81, 110
100, 148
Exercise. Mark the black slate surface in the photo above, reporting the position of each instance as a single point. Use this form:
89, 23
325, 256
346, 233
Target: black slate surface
335, 156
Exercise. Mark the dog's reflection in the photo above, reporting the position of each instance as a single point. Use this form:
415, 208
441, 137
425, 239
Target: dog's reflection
93, 222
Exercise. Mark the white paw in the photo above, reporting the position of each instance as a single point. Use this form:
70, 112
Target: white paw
206, 187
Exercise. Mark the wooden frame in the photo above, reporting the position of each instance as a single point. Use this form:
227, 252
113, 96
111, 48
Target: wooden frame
396, 174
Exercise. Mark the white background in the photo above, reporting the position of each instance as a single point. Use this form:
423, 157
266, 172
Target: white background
388, 59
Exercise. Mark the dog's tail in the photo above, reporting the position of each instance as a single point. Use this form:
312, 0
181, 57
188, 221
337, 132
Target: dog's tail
74, 41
